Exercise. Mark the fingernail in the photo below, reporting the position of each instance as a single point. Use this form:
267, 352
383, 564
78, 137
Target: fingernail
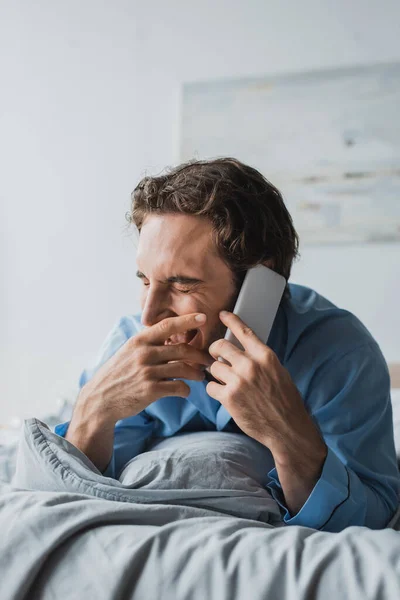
201, 317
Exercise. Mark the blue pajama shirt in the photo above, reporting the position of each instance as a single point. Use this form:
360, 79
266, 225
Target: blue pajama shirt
344, 381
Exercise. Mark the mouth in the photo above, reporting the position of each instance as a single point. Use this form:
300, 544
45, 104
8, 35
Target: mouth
187, 338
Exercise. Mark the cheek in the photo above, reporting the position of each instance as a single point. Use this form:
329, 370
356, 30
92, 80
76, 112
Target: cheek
215, 332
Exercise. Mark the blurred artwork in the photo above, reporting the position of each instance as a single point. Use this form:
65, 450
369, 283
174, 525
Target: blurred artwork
329, 140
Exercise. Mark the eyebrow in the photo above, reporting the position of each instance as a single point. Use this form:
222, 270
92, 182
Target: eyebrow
185, 279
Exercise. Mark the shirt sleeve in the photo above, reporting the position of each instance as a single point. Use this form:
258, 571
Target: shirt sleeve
349, 400
130, 438
131, 434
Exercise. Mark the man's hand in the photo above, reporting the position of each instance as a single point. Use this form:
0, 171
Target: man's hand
143, 370
259, 394
140, 372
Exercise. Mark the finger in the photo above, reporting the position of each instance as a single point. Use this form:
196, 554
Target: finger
246, 336
216, 391
160, 332
226, 351
173, 388
178, 369
221, 372
181, 352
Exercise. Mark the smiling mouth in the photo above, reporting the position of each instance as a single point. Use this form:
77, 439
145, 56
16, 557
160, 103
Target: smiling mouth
187, 338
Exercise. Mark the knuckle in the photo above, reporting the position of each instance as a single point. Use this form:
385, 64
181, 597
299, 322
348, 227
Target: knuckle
246, 330
133, 342
215, 346
146, 374
141, 354
165, 325
236, 390
149, 389
145, 386
263, 355
269, 355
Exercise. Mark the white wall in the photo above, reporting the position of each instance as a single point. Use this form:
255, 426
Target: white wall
89, 101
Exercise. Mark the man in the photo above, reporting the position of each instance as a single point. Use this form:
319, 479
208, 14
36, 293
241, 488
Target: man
317, 394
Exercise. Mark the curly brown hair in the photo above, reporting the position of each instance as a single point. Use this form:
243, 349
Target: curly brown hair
251, 223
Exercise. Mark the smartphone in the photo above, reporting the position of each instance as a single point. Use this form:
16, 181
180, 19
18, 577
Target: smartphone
257, 303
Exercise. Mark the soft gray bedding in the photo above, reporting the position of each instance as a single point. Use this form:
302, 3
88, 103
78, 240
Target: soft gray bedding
189, 519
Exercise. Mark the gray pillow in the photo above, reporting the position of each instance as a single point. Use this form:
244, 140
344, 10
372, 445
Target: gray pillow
215, 471
200, 460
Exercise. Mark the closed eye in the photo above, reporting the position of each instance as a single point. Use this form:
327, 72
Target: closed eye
181, 291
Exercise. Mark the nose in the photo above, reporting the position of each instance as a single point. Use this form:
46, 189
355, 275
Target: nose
149, 317
153, 311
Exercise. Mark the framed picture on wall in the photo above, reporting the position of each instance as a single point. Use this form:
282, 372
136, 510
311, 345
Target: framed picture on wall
329, 140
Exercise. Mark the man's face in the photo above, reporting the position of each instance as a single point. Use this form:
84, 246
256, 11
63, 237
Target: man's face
172, 245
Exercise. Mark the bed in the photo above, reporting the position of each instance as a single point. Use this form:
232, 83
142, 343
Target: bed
190, 520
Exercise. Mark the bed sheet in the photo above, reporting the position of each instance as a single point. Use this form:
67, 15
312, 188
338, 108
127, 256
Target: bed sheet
69, 532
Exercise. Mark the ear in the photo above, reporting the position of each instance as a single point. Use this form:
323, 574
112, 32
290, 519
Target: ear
269, 263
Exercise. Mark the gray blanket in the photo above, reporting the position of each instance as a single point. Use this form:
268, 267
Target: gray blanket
188, 519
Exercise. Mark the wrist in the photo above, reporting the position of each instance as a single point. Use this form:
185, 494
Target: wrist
300, 448
90, 411
306, 463
91, 430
